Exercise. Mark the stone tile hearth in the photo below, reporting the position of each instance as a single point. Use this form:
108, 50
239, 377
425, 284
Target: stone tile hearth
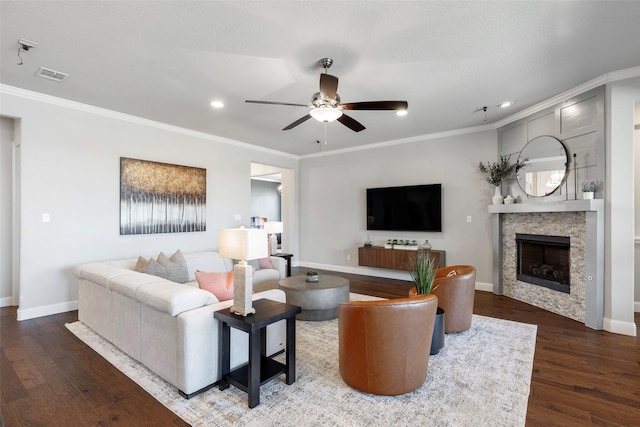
566, 224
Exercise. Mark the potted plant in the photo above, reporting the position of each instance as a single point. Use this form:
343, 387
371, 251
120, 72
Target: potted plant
423, 273
588, 188
312, 276
496, 172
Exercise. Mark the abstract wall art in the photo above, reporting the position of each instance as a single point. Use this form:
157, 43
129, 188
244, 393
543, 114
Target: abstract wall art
161, 197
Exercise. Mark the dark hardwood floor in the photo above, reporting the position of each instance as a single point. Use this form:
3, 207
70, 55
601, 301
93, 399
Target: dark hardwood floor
50, 378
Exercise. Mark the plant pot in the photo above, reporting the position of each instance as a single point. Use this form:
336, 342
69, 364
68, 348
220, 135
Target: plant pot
437, 341
587, 195
497, 198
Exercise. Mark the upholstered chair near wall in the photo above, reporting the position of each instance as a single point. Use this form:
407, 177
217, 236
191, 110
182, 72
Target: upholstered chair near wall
384, 344
455, 288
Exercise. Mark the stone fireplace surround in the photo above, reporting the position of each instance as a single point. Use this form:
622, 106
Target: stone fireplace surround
583, 222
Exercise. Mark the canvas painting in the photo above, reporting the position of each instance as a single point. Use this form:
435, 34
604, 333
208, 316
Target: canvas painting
161, 197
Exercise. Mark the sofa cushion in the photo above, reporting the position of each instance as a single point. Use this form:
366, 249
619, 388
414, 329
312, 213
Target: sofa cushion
175, 267
128, 284
219, 284
173, 298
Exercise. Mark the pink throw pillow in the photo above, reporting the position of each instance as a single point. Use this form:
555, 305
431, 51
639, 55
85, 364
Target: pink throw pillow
265, 263
219, 284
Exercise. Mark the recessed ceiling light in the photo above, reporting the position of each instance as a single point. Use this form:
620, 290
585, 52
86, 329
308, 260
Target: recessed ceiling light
401, 113
217, 104
506, 104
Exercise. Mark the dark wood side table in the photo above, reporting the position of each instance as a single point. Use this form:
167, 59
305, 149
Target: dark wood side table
260, 368
288, 258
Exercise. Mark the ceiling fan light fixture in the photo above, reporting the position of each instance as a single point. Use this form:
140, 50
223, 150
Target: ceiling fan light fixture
325, 114
401, 113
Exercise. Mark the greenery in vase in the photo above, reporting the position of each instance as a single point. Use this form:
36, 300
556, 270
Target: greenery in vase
312, 273
588, 186
423, 272
495, 172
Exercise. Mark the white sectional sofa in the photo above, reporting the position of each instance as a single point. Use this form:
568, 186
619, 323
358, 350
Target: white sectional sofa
168, 326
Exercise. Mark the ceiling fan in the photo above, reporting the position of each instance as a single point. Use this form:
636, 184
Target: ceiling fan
326, 106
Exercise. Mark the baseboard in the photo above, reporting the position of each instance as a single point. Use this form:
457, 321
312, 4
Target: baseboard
379, 272
483, 286
618, 327
636, 306
6, 302
46, 310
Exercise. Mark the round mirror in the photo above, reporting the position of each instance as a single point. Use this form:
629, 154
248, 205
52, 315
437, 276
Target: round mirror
546, 168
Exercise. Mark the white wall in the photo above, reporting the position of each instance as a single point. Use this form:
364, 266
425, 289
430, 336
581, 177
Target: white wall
619, 204
70, 166
333, 208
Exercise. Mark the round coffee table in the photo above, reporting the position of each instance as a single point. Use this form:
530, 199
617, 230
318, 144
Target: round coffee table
318, 300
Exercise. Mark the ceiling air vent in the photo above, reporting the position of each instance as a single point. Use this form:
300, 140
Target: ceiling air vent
47, 73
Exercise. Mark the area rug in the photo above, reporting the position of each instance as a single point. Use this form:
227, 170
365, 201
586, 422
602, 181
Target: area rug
480, 378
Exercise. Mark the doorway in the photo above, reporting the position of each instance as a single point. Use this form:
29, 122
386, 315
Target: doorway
273, 195
9, 211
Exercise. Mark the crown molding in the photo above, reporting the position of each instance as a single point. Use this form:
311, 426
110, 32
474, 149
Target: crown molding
65, 103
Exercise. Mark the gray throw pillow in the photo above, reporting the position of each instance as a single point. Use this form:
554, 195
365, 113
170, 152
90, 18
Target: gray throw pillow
154, 268
175, 267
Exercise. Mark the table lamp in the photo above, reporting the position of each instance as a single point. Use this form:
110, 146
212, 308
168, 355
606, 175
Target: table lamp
242, 244
273, 227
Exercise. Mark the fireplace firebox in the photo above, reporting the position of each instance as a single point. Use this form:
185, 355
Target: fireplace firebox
543, 261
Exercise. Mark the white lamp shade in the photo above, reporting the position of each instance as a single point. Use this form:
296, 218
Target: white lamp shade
273, 227
243, 243
325, 114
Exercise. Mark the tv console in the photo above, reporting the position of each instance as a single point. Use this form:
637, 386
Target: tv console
394, 259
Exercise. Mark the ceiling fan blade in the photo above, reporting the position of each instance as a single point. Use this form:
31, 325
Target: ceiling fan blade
297, 122
375, 105
328, 86
351, 123
274, 103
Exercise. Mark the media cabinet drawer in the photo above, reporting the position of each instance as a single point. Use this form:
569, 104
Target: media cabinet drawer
394, 259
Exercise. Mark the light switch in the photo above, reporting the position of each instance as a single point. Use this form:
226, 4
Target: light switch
237, 217
46, 217
469, 218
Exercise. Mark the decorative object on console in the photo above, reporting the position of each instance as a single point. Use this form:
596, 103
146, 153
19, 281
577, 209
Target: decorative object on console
588, 188
312, 276
242, 244
161, 198
273, 227
509, 200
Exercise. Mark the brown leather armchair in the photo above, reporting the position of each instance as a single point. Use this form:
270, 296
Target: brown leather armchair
384, 345
455, 295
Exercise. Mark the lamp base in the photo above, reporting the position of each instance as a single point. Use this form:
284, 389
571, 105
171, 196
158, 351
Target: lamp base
242, 289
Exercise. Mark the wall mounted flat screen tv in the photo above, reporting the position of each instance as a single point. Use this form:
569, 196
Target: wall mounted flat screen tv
408, 208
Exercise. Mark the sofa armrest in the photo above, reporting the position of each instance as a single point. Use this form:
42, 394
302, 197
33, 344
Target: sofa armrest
279, 264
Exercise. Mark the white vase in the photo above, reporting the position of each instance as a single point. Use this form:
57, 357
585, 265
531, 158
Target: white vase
497, 197
587, 195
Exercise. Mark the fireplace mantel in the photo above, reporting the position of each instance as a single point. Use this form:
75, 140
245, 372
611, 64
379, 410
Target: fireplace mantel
560, 206
593, 251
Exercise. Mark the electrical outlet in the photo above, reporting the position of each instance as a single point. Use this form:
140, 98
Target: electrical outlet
348, 257
469, 218
46, 217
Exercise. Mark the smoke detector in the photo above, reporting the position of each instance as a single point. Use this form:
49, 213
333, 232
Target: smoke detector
47, 73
